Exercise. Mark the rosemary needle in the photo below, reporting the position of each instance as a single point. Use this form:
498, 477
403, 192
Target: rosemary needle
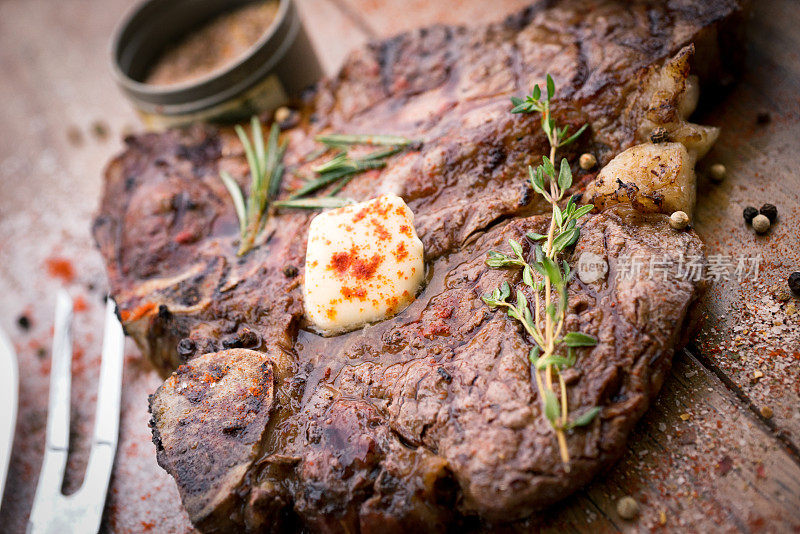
314, 203
266, 172
348, 139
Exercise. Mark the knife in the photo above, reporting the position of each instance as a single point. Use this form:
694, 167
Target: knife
8, 404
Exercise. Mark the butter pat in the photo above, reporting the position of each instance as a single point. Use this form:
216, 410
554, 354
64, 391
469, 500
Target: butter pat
364, 263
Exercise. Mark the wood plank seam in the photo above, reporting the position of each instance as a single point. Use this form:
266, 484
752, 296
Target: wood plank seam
771, 428
356, 18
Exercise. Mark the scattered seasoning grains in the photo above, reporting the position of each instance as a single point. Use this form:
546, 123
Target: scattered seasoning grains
74, 136
749, 214
769, 211
587, 161
760, 223
286, 117
679, 220
659, 135
282, 113
627, 507
685, 416
766, 412
100, 130
717, 172
794, 282
757, 374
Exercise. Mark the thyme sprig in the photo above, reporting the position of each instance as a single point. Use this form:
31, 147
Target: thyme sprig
266, 171
547, 278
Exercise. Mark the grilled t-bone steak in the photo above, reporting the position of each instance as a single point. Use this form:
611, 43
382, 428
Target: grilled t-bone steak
429, 419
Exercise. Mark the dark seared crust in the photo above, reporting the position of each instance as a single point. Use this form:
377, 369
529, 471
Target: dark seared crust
208, 421
429, 420
434, 411
451, 377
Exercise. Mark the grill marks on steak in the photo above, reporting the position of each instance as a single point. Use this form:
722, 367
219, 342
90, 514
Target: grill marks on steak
430, 417
485, 419
164, 202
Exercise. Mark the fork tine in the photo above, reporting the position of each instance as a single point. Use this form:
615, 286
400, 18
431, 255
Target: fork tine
91, 497
54, 513
58, 407
54, 463
106, 425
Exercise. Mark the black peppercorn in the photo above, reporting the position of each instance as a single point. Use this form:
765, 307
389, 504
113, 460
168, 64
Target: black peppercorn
290, 271
749, 214
231, 342
249, 338
659, 135
794, 282
186, 347
763, 118
770, 212
24, 322
447, 377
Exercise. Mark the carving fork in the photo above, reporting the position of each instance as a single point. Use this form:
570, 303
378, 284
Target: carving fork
53, 512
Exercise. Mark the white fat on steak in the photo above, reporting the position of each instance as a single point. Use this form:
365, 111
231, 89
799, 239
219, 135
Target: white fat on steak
364, 263
659, 177
655, 178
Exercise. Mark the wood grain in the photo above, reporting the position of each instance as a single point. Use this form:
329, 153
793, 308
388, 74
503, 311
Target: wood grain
726, 467
748, 329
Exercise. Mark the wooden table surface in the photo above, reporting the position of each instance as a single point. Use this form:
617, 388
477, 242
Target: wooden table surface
719, 451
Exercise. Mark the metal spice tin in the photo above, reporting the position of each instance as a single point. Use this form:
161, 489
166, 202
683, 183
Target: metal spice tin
278, 67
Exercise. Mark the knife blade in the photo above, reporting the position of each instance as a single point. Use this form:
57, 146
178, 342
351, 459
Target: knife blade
8, 404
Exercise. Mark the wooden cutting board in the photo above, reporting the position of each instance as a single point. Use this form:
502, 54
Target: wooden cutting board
706, 457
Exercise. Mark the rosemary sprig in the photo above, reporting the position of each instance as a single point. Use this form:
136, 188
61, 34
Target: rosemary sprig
266, 170
546, 278
342, 167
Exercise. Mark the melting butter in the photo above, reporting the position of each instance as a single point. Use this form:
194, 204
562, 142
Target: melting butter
364, 263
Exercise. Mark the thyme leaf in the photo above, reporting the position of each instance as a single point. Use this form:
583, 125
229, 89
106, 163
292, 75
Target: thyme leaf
585, 418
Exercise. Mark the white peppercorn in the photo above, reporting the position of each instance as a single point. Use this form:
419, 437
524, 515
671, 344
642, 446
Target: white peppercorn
760, 223
717, 172
679, 220
627, 507
587, 161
